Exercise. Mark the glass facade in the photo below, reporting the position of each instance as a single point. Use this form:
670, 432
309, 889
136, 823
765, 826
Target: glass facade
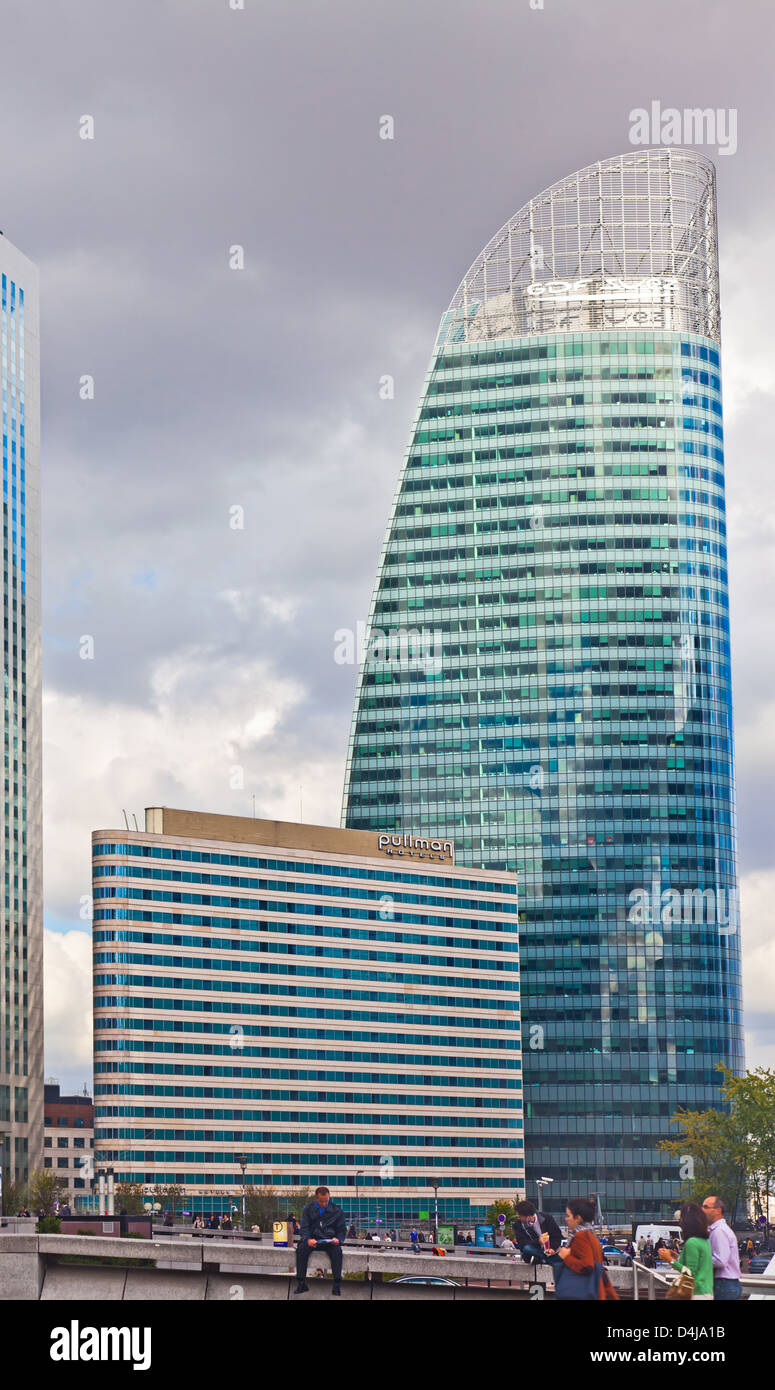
21, 1037
336, 1017
558, 541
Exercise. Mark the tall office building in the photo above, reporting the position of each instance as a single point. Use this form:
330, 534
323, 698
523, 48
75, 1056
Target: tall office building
21, 930
558, 542
332, 1006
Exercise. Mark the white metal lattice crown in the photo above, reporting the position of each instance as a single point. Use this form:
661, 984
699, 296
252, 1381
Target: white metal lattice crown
628, 242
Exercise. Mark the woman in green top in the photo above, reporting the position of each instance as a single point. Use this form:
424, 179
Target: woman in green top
695, 1254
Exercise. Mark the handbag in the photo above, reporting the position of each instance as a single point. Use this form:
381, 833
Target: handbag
683, 1286
585, 1286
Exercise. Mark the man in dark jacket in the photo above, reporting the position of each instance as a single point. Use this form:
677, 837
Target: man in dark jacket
530, 1226
323, 1227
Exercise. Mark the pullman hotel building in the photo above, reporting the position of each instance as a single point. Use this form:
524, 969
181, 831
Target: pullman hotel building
336, 1006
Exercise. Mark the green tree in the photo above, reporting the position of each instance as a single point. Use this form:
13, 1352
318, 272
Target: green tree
262, 1207
129, 1198
709, 1154
14, 1195
730, 1152
751, 1100
45, 1188
504, 1206
169, 1198
295, 1201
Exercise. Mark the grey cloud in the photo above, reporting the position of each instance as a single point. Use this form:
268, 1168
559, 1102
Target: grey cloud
259, 387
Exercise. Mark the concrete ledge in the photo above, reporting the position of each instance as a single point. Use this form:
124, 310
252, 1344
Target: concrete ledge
76, 1282
353, 1290
177, 1286
236, 1288
86, 1245
171, 1252
278, 1261
514, 1294
196, 1270
21, 1276
18, 1245
355, 1262
449, 1267
120, 1247
257, 1257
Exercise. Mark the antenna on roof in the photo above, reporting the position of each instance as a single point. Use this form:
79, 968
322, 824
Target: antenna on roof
134, 818
126, 822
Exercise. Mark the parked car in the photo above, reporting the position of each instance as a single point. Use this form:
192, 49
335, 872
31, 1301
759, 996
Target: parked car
426, 1279
769, 1272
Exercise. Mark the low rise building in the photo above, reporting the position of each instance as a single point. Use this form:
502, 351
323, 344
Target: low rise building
68, 1142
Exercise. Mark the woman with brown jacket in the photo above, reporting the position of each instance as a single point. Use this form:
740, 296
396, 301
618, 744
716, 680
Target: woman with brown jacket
584, 1250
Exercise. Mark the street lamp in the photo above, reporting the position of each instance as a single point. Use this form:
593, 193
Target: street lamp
541, 1184
435, 1186
598, 1210
243, 1163
360, 1173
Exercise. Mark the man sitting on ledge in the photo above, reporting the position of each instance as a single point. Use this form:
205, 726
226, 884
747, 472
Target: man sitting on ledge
323, 1227
535, 1232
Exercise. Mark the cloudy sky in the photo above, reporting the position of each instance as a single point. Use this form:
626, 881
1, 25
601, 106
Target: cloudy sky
258, 388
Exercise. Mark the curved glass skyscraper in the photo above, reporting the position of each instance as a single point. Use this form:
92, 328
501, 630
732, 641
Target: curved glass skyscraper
559, 702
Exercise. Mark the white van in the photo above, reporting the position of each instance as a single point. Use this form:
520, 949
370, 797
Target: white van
652, 1230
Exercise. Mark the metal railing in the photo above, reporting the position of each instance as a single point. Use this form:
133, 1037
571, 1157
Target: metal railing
654, 1278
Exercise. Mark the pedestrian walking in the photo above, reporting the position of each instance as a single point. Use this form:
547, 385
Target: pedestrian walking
695, 1257
724, 1252
579, 1269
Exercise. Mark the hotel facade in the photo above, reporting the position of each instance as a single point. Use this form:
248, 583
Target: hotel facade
333, 1006
558, 540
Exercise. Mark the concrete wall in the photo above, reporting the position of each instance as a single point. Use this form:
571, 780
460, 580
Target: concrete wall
199, 1270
